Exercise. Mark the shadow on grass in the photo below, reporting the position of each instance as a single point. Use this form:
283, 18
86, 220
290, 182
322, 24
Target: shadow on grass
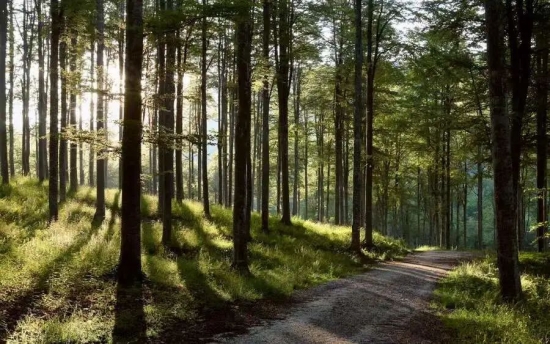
130, 325
18, 307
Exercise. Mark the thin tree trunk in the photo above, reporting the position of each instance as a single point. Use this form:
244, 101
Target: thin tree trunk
169, 131
542, 140
73, 176
100, 163
369, 134
204, 138
4, 166
265, 116
56, 15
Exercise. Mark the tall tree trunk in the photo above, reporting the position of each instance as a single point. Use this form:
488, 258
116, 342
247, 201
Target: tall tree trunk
369, 134
507, 261
479, 201
169, 131
339, 135
63, 161
73, 176
283, 86
91, 157
542, 140
357, 131
161, 110
242, 140
121, 85
42, 106
129, 270
179, 120
4, 166
297, 93
81, 146
11, 97
56, 15
265, 116
100, 118
204, 137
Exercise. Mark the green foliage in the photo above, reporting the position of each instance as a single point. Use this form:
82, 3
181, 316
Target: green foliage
469, 302
57, 282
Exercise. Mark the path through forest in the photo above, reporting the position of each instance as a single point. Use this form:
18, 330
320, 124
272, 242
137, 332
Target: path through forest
389, 304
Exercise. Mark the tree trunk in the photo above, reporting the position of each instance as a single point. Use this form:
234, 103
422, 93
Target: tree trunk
283, 86
100, 163
542, 140
4, 166
121, 85
265, 117
42, 106
170, 89
297, 88
242, 141
11, 97
56, 15
507, 261
91, 157
73, 175
369, 134
63, 161
129, 270
204, 137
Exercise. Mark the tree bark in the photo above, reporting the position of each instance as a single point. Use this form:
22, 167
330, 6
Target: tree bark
204, 132
129, 270
542, 140
507, 261
4, 166
100, 118
357, 131
242, 141
265, 116
170, 89
369, 134
73, 175
56, 14
283, 86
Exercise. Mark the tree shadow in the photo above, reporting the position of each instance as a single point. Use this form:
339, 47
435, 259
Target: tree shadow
18, 307
130, 325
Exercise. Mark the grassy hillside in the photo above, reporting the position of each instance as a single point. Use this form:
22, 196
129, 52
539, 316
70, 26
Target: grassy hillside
57, 283
469, 303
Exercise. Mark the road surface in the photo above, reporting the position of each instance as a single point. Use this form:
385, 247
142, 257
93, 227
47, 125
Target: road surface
389, 304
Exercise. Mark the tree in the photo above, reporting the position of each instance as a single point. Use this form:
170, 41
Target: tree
357, 131
283, 86
42, 104
241, 227
510, 285
3, 133
56, 15
100, 117
265, 117
204, 137
129, 270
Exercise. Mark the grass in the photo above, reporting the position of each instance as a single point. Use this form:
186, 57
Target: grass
469, 302
57, 283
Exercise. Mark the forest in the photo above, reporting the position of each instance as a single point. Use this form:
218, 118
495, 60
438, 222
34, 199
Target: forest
168, 163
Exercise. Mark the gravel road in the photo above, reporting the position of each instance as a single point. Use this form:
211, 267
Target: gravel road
389, 304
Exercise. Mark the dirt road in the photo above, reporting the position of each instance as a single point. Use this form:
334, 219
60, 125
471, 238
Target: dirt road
389, 304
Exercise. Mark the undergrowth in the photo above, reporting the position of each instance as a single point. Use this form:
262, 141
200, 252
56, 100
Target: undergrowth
57, 282
469, 302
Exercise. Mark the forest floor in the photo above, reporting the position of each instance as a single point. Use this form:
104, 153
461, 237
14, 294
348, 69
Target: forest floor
58, 281
390, 304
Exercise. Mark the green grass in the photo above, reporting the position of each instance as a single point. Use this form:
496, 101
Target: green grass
57, 283
469, 302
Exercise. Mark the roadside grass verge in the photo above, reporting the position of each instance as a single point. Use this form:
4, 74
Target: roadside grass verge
58, 282
469, 302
